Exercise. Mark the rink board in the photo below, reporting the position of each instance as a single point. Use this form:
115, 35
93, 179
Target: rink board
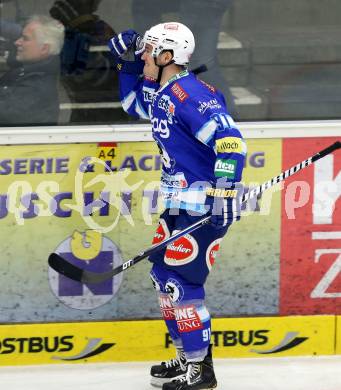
49, 202
267, 263
148, 340
310, 254
338, 335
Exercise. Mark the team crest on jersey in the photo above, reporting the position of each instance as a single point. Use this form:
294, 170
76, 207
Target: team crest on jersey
182, 251
174, 290
179, 92
211, 253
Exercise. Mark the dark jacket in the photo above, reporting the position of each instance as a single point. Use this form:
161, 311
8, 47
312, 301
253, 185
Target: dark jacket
29, 94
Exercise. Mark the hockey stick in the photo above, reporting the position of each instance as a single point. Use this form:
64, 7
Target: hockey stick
63, 267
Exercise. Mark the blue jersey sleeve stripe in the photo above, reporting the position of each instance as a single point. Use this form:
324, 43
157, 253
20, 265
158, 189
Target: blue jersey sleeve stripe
206, 132
140, 111
128, 101
230, 122
224, 121
113, 43
121, 43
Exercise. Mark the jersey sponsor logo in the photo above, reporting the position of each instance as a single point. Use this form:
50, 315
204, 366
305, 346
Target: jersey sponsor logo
211, 253
182, 251
225, 168
173, 196
166, 105
174, 181
179, 92
211, 104
162, 232
187, 319
209, 86
171, 108
221, 193
230, 145
166, 306
148, 94
164, 102
160, 126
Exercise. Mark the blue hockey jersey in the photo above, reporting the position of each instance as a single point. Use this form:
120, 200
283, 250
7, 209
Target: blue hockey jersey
197, 138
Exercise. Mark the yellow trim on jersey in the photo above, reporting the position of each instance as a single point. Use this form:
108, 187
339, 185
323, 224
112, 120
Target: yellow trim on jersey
230, 145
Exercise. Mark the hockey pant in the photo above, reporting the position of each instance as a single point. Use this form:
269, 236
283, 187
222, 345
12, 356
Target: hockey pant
178, 274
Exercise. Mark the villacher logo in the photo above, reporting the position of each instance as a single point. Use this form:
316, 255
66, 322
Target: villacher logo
181, 251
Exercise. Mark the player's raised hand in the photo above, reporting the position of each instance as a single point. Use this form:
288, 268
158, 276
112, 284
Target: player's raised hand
120, 44
127, 48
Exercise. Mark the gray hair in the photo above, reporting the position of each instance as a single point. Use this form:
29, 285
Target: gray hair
49, 31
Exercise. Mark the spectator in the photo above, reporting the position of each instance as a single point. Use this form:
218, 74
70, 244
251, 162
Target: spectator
29, 92
9, 33
87, 71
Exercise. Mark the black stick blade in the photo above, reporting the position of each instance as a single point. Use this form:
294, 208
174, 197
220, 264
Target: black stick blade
65, 268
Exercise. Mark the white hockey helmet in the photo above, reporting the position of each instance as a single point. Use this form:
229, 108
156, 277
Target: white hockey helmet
171, 36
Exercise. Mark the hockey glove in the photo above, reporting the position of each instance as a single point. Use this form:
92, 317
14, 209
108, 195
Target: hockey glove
224, 204
127, 48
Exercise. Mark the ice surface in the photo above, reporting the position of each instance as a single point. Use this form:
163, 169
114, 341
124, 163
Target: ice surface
305, 373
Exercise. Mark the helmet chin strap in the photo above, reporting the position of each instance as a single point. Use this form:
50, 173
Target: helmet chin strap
161, 68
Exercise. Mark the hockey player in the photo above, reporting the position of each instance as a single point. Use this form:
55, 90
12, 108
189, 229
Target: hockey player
203, 157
